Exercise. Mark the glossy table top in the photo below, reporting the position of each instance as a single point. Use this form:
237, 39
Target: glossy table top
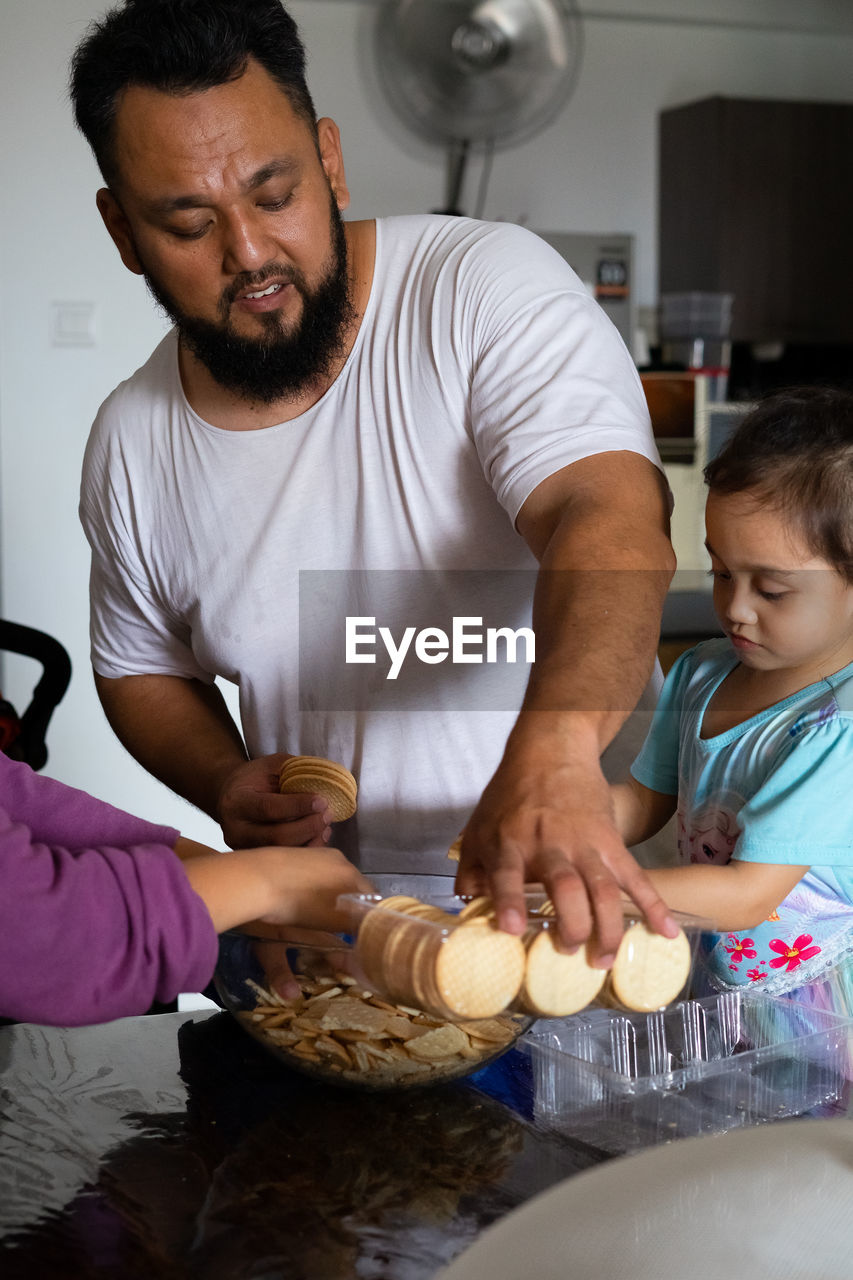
175, 1146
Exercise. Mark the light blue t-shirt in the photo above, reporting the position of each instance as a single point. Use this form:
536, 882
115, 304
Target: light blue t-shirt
776, 788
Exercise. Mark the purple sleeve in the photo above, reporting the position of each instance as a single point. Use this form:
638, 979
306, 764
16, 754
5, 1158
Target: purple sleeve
57, 814
93, 932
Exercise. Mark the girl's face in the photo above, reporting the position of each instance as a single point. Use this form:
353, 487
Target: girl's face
782, 607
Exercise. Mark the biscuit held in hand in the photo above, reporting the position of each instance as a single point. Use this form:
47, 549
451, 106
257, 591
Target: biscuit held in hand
315, 775
252, 810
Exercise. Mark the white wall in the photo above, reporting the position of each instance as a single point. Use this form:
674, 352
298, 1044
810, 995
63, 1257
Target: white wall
593, 169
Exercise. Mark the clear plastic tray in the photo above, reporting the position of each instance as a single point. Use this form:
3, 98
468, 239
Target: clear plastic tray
622, 1081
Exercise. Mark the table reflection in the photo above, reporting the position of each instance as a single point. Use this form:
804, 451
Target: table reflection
174, 1146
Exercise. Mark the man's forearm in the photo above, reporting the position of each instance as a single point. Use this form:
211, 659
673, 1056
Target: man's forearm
596, 616
596, 637
599, 530
179, 730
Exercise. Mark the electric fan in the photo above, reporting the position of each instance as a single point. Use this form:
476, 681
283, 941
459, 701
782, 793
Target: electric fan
476, 73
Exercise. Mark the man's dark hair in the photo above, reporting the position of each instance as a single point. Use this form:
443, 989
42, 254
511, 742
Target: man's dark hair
794, 451
180, 46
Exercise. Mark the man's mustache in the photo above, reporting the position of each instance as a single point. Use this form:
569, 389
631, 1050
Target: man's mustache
273, 273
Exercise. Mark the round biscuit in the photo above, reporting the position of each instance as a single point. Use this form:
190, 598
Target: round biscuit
423, 962
402, 962
340, 800
557, 984
424, 911
479, 971
649, 970
314, 774
300, 776
373, 933
477, 908
398, 902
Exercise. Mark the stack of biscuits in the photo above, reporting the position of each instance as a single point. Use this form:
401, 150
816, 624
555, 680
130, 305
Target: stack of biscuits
314, 775
454, 966
463, 966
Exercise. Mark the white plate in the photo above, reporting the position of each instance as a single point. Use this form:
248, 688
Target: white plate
769, 1203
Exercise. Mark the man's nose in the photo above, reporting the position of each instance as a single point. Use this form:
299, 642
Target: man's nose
246, 244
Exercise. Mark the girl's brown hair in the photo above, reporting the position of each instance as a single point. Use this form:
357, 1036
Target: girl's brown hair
794, 450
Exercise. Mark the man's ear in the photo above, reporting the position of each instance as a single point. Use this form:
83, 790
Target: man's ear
331, 157
118, 226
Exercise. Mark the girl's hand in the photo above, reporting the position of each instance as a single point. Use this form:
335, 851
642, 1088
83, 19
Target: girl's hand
273, 885
306, 884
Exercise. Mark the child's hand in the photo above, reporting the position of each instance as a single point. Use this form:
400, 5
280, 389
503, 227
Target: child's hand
272, 885
306, 884
310, 882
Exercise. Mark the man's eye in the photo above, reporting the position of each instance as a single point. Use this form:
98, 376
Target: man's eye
186, 234
273, 205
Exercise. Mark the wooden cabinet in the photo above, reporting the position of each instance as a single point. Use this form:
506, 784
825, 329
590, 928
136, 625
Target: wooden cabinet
756, 199
690, 429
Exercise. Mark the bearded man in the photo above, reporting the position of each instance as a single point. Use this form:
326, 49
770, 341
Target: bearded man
372, 408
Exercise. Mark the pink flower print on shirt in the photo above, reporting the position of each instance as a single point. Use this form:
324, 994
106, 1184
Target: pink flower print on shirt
740, 948
756, 975
792, 955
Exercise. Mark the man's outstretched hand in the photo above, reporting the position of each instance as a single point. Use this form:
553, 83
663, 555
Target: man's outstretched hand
551, 822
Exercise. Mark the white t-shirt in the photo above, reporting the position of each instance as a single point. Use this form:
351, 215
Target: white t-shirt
481, 367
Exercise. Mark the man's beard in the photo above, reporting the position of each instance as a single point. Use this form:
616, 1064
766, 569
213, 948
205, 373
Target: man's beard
277, 365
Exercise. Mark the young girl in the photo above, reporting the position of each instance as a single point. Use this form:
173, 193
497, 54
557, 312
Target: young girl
752, 740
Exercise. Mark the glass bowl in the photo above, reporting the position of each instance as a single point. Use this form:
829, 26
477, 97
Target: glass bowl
339, 1028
